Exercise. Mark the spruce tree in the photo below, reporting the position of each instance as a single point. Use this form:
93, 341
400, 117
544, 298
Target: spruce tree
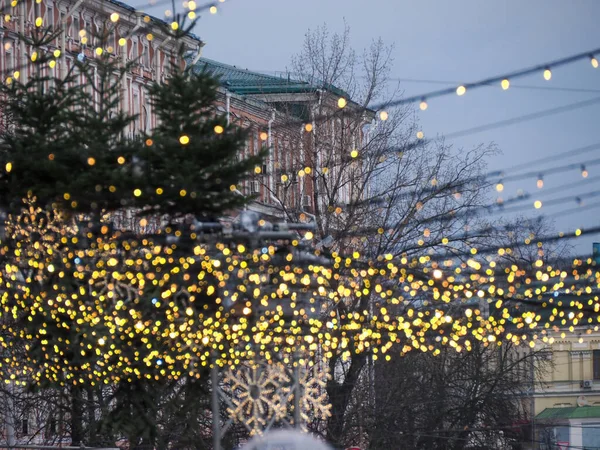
95, 305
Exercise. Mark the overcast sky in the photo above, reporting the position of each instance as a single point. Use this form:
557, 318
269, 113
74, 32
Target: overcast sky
456, 41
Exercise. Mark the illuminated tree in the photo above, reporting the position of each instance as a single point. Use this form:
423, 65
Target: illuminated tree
83, 298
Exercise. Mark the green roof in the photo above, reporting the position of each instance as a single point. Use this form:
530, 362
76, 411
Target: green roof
582, 412
246, 82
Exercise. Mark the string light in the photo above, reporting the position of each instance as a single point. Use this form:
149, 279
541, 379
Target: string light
420, 135
505, 84
423, 105
594, 62
547, 74
499, 187
213, 9
584, 172
342, 102
537, 204
461, 90
383, 115
540, 181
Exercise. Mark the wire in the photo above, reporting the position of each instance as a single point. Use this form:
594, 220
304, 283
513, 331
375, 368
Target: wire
516, 86
523, 118
455, 83
554, 157
492, 80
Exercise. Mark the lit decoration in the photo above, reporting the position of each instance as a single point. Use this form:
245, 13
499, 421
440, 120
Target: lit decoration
547, 74
584, 172
342, 102
505, 84
461, 90
423, 105
257, 394
383, 115
594, 62
314, 403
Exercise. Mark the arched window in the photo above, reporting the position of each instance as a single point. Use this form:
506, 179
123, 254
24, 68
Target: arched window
145, 118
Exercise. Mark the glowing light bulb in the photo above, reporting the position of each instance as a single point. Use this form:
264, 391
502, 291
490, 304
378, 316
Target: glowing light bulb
537, 204
500, 187
540, 182
547, 74
461, 90
423, 105
122, 42
420, 135
219, 129
114, 17
594, 62
342, 102
213, 9
354, 153
184, 140
308, 127
505, 84
584, 172
38, 22
383, 115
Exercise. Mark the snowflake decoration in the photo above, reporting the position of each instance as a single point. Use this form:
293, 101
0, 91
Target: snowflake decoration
114, 286
257, 395
313, 401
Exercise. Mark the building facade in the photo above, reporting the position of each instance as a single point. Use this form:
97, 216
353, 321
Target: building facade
308, 142
566, 400
133, 37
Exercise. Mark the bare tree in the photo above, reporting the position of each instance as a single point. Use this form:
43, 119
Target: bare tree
455, 400
372, 188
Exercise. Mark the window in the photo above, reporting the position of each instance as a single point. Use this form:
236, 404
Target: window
134, 50
25, 427
145, 57
145, 118
112, 43
136, 109
596, 364
52, 427
8, 56
75, 27
50, 16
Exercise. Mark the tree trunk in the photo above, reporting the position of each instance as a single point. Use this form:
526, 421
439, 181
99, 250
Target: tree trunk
76, 416
340, 395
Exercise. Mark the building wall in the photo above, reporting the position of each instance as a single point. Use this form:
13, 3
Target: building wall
571, 364
286, 180
145, 44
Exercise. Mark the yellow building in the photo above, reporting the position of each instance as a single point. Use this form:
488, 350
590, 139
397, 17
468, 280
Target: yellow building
566, 400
